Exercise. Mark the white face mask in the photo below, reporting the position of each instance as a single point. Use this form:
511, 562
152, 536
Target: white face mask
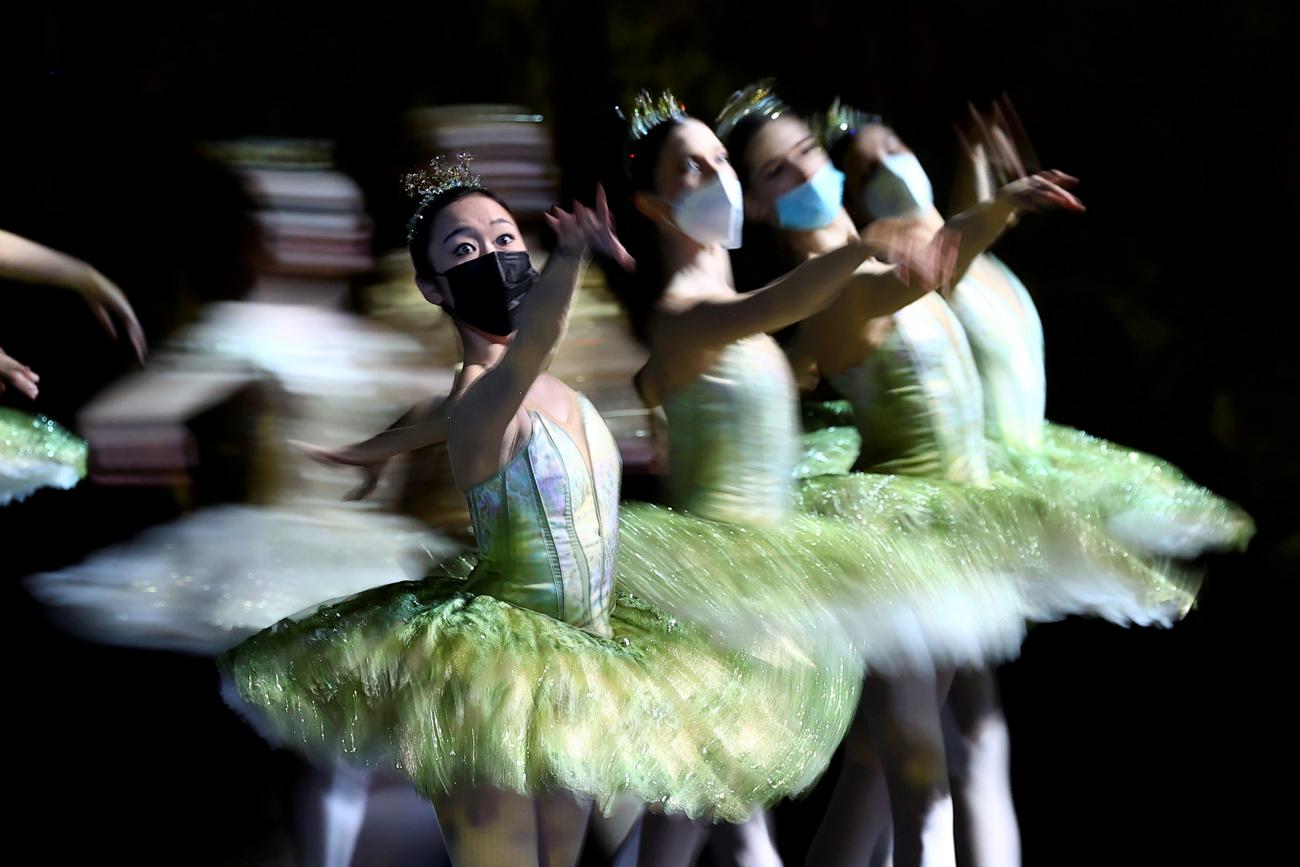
899, 187
713, 213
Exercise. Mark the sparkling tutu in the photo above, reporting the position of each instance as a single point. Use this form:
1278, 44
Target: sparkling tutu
36, 452
521, 666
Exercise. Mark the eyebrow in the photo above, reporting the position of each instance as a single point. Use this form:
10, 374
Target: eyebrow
456, 231
803, 141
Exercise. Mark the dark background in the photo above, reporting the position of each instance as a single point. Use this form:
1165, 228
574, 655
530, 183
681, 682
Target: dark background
1164, 310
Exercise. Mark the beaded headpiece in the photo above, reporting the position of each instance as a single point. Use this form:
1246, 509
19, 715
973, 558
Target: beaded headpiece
439, 177
839, 121
647, 112
755, 100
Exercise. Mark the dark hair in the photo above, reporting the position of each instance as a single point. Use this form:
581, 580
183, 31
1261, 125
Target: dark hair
738, 140
639, 292
421, 227
839, 148
839, 154
763, 258
642, 155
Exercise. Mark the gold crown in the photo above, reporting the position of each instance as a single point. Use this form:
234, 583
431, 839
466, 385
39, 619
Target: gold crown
648, 111
840, 120
755, 100
440, 176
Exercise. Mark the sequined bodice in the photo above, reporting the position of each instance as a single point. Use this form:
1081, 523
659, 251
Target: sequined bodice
733, 437
547, 526
1006, 337
917, 398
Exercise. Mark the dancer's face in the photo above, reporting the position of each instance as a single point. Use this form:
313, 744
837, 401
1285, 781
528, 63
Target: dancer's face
782, 155
690, 157
863, 156
465, 230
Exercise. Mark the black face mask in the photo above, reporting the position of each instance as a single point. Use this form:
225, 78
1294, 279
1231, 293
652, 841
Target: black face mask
485, 291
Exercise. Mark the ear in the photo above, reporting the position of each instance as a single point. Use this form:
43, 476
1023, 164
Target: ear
432, 290
651, 207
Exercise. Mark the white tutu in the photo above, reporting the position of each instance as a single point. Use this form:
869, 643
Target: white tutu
203, 583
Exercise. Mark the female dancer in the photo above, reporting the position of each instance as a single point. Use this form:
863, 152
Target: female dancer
1142, 500
916, 401
685, 307
517, 683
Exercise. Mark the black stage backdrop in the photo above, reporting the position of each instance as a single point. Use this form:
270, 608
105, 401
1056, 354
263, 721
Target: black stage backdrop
1163, 308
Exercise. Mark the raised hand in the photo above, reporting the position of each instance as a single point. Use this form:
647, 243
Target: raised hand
995, 140
586, 228
1042, 191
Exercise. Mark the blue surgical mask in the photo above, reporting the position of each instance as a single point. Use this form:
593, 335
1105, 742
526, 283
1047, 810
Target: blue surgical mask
898, 188
814, 203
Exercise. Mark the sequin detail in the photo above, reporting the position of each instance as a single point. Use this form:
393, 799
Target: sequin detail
36, 452
556, 686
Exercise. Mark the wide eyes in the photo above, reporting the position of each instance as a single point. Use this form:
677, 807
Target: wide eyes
467, 248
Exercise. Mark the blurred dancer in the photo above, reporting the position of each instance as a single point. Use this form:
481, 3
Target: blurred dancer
916, 401
683, 306
1142, 500
930, 576
218, 574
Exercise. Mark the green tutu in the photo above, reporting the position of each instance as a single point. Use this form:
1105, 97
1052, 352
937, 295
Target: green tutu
1144, 501
1069, 562
920, 574
455, 689
36, 452
829, 451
